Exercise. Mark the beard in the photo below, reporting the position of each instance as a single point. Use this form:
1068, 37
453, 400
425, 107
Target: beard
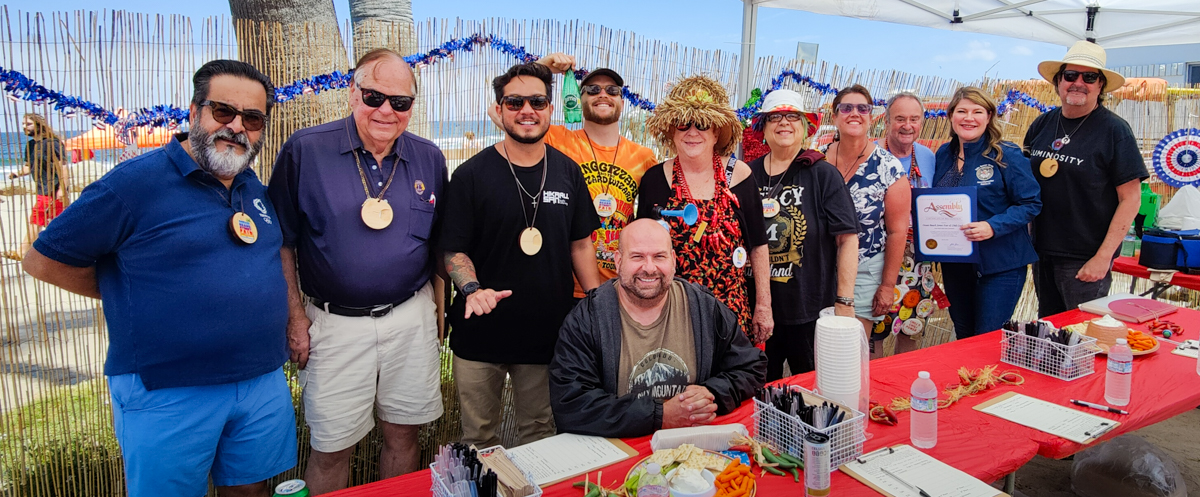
1073, 98
222, 164
590, 115
526, 139
630, 284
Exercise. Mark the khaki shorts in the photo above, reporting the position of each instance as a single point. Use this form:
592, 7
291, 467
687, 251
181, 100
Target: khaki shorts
355, 364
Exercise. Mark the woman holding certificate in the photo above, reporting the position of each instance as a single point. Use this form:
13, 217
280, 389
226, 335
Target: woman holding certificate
983, 295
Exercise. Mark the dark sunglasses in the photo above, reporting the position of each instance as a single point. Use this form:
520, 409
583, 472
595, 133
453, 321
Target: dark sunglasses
685, 127
1088, 77
612, 90
252, 120
779, 116
515, 103
864, 109
374, 99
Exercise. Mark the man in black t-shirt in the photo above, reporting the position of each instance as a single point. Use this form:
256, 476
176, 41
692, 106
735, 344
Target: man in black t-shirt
46, 160
1087, 162
518, 223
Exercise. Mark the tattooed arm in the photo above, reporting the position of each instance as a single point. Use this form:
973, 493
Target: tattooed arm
462, 272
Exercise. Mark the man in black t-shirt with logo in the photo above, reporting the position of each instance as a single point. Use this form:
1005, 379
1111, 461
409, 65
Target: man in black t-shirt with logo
1086, 159
518, 223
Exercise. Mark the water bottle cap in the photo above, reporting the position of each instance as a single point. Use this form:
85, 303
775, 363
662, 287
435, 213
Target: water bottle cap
924, 375
653, 468
1122, 341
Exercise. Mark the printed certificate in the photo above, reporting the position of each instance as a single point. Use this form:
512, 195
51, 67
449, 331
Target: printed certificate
938, 217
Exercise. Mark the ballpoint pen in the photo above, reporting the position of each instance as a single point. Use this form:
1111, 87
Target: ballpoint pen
1100, 407
907, 484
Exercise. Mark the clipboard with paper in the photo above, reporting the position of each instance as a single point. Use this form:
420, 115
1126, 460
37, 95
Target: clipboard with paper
1072, 424
903, 471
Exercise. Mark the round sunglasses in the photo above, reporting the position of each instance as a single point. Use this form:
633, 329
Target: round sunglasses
864, 109
252, 120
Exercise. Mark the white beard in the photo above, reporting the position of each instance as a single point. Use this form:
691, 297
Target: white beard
223, 164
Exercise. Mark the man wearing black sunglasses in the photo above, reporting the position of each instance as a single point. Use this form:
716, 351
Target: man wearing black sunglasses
1086, 159
358, 201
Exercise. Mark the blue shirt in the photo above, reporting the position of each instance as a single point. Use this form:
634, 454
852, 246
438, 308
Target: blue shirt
319, 193
186, 304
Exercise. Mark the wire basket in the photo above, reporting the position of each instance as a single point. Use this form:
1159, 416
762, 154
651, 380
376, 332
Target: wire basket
441, 490
785, 432
1065, 362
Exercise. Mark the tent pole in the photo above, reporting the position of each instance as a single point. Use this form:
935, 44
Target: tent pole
746, 61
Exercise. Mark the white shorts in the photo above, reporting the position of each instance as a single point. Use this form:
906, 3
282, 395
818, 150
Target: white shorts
866, 283
390, 363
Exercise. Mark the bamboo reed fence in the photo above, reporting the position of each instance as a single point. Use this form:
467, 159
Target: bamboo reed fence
55, 420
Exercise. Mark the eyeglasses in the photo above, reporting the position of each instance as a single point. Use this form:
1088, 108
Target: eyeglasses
684, 127
1088, 77
611, 90
375, 99
864, 109
252, 120
516, 103
775, 117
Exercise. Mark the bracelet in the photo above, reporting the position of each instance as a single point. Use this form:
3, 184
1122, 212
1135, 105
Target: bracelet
844, 300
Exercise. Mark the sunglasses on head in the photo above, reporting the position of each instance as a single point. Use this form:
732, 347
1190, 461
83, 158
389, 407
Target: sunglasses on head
612, 90
252, 120
375, 99
1088, 77
779, 116
864, 109
685, 127
516, 103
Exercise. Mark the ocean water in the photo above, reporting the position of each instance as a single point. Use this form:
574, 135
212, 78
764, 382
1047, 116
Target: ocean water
12, 148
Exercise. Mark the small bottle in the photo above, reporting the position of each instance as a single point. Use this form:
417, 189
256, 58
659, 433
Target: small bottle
923, 430
1120, 374
572, 111
653, 483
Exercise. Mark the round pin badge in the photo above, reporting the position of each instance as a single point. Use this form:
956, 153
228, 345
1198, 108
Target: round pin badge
900, 290
739, 257
927, 283
985, 172
376, 213
907, 265
770, 207
606, 204
243, 228
905, 313
530, 241
925, 308
1048, 168
909, 279
896, 325
912, 327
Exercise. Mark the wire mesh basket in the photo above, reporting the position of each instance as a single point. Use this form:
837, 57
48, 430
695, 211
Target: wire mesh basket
441, 490
1065, 362
786, 432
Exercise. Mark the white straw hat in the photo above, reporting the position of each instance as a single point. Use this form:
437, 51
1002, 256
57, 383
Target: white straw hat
784, 100
1084, 53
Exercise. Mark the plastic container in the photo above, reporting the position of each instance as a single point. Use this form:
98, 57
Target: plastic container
1120, 374
653, 483
923, 425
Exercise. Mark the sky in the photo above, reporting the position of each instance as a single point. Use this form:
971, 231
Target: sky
709, 24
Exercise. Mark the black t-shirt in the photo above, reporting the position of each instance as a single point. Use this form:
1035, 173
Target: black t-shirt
1079, 201
814, 207
44, 155
483, 219
656, 190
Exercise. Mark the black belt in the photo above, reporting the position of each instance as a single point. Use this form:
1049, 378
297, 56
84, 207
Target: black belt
357, 312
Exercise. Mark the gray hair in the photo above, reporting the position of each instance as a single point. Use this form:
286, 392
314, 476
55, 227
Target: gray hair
904, 94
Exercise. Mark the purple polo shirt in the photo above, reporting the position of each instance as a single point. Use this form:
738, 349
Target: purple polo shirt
318, 195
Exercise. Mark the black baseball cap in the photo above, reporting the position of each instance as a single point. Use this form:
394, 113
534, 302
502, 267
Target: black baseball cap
604, 71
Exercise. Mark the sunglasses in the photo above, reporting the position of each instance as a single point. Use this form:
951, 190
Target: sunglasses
864, 109
515, 103
612, 90
252, 120
375, 99
1088, 77
780, 116
684, 127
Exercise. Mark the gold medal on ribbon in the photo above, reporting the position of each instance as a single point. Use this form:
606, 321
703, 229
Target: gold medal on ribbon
530, 241
770, 207
376, 213
606, 204
243, 228
1049, 167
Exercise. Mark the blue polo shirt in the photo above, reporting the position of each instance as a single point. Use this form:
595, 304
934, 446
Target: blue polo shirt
186, 304
319, 193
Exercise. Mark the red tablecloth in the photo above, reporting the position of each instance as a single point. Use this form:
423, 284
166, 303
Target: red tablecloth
982, 445
1130, 266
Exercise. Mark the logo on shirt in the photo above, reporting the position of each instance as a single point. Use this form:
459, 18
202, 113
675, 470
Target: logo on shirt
660, 374
262, 210
785, 235
419, 187
557, 198
985, 172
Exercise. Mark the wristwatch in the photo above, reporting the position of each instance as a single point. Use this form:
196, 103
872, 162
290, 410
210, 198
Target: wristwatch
470, 288
844, 300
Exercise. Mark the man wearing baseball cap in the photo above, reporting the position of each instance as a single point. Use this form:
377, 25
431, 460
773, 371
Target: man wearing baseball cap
1088, 156
612, 165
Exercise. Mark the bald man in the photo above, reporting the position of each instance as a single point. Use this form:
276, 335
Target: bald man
357, 200
648, 350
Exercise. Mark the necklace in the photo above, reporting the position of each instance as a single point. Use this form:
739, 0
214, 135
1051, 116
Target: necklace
1066, 138
605, 203
376, 213
241, 226
770, 205
853, 166
718, 216
530, 239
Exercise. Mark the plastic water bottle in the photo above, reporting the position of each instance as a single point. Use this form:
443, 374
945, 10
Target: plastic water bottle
572, 109
923, 431
653, 483
1120, 374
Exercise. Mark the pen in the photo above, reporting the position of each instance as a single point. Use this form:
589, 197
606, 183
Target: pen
907, 484
1100, 407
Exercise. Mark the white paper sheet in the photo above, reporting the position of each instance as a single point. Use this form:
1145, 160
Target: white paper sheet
564, 456
1071, 424
917, 468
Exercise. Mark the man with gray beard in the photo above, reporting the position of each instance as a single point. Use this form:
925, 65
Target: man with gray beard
182, 247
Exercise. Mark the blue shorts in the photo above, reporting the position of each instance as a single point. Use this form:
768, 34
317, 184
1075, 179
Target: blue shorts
173, 438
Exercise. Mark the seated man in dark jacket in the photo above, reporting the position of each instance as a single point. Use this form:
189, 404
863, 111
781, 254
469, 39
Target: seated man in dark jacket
647, 350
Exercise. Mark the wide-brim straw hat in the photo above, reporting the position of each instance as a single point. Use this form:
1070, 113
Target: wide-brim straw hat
1084, 53
698, 100
784, 100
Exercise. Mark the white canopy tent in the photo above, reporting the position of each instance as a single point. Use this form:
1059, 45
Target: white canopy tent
1109, 23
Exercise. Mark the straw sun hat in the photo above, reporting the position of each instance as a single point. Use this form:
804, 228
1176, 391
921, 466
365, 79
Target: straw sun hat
1084, 53
699, 100
784, 100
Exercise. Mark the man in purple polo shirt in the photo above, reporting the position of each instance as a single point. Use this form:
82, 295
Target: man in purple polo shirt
357, 200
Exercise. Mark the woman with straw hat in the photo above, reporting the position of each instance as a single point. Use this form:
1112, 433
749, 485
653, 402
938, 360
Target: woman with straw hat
812, 231
696, 123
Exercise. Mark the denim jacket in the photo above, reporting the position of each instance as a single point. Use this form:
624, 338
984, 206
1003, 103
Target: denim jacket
1008, 199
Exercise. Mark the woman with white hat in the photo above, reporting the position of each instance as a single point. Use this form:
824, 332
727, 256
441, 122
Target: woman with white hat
812, 231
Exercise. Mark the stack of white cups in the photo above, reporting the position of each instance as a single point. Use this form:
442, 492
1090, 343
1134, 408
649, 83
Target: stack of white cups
841, 357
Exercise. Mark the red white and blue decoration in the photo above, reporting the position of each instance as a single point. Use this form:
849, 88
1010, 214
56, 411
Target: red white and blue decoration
1177, 158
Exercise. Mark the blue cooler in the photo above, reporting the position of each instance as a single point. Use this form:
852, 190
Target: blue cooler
1178, 250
